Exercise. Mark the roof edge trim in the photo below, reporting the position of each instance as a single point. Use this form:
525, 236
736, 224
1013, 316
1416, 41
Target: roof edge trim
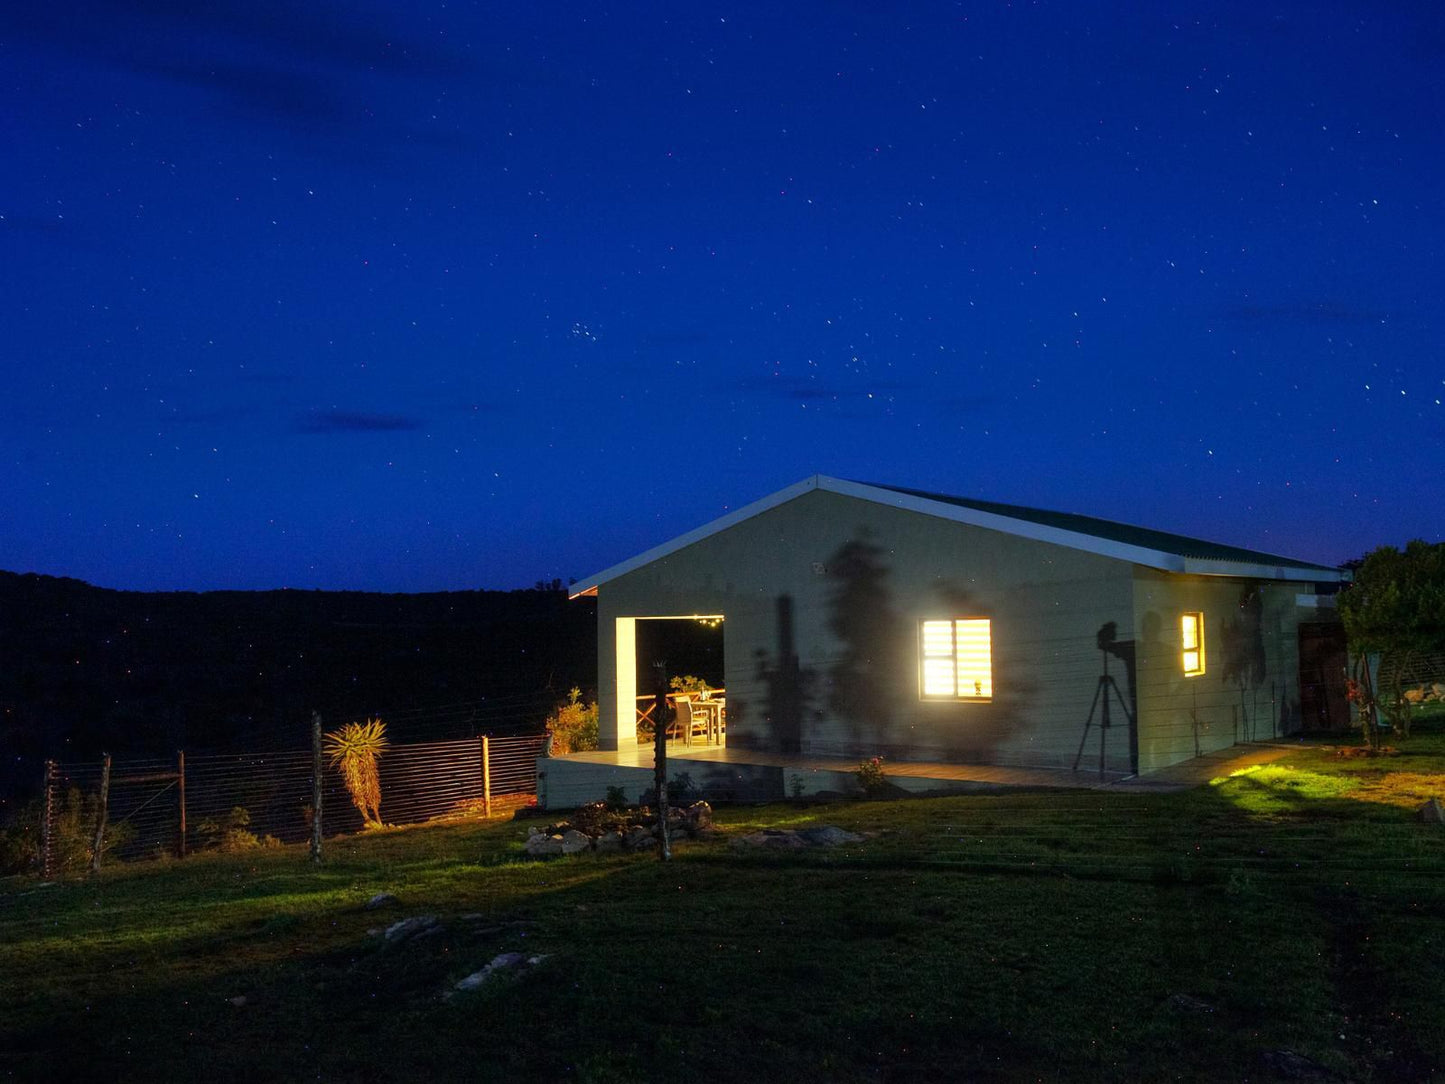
1161, 560
588, 584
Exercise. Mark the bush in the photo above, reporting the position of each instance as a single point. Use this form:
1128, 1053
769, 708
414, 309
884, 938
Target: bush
687, 683
229, 834
20, 841
71, 839
573, 725
870, 776
681, 791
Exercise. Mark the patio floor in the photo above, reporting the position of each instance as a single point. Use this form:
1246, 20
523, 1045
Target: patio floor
816, 773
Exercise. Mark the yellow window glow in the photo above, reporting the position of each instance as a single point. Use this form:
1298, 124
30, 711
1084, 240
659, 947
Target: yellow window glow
939, 670
957, 659
1191, 635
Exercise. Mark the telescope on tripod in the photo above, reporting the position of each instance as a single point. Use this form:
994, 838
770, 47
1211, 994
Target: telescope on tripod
1105, 687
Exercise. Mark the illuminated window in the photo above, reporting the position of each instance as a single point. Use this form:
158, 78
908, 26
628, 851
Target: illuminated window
1191, 630
957, 659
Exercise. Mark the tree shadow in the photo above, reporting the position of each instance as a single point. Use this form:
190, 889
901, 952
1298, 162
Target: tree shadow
864, 680
1244, 665
788, 693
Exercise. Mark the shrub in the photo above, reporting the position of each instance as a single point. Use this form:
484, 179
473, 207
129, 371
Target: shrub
687, 683
354, 751
229, 834
871, 778
573, 725
20, 841
72, 835
681, 791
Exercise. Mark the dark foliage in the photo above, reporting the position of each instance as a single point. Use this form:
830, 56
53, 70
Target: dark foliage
141, 674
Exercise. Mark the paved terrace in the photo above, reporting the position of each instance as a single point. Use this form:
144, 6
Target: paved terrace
589, 770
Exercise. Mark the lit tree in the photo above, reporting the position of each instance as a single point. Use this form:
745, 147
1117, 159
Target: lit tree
1394, 610
354, 750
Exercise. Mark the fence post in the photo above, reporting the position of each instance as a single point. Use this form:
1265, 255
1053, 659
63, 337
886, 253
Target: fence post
316, 787
659, 756
487, 774
181, 798
46, 831
100, 818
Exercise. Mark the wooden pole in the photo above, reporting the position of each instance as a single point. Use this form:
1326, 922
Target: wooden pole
659, 754
181, 800
46, 828
487, 774
100, 818
316, 787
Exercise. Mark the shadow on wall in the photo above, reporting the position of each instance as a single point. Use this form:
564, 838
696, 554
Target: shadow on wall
788, 686
872, 695
866, 679
1244, 665
976, 731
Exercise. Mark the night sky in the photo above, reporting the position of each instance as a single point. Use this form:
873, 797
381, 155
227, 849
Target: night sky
433, 296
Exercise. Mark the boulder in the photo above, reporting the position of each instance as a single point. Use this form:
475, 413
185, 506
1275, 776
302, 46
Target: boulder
638, 837
787, 839
828, 836
1189, 1003
381, 899
1293, 1066
1431, 812
609, 841
574, 841
699, 815
503, 962
411, 927
544, 845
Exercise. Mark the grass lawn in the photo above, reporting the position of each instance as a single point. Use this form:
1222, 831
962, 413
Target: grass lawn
1063, 936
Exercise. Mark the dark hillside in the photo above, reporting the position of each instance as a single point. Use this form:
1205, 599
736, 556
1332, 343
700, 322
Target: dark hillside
86, 669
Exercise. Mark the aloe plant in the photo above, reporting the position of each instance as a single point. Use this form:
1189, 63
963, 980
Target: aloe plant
354, 751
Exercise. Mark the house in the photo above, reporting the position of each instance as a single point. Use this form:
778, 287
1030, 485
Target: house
860, 620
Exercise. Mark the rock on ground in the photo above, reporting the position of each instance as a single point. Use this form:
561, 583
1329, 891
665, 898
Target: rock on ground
412, 927
506, 961
788, 839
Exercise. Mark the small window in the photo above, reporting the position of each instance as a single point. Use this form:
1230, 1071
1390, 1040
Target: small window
956, 659
1191, 630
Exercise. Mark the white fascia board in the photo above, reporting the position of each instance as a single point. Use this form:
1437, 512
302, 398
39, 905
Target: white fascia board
1103, 547
1204, 566
588, 584
1019, 528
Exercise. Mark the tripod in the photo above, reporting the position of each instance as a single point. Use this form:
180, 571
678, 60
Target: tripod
1105, 686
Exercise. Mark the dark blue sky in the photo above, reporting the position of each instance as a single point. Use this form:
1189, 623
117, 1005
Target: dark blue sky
424, 296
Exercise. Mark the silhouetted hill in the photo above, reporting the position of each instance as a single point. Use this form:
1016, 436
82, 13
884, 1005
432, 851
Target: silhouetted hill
86, 669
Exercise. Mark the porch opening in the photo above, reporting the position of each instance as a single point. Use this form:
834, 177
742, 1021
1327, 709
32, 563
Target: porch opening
689, 650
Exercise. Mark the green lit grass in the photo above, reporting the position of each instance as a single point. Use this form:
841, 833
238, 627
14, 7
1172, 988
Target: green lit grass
1032, 935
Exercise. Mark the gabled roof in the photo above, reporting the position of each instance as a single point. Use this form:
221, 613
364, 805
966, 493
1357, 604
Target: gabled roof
1138, 545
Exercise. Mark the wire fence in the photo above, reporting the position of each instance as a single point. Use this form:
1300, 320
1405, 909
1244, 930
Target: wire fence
154, 808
